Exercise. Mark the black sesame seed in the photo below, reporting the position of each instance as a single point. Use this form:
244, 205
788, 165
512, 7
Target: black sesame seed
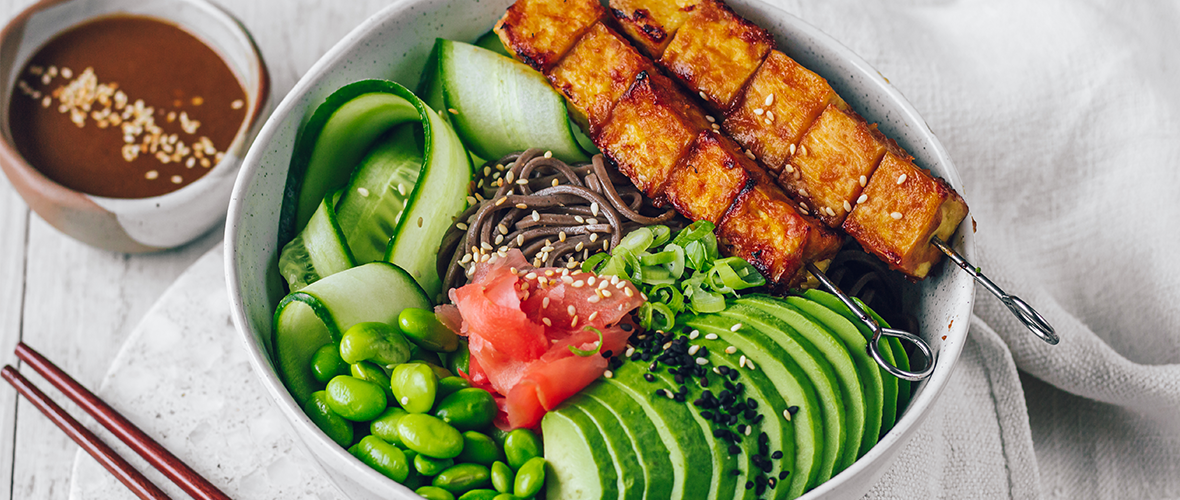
760, 480
772, 482
707, 415
750, 403
723, 369
734, 450
741, 428
649, 377
740, 387
757, 419
792, 410
680, 398
784, 474
683, 390
660, 392
777, 455
704, 381
764, 438
704, 352
735, 472
749, 485
636, 356
733, 374
720, 433
729, 385
750, 414
738, 408
626, 327
653, 367
766, 467
679, 378
761, 488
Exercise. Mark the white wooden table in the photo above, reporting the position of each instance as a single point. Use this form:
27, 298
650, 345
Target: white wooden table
76, 304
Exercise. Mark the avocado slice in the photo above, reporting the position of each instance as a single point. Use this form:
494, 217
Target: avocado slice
691, 456
867, 369
837, 355
629, 471
576, 457
893, 387
652, 454
792, 384
770, 404
723, 486
817, 369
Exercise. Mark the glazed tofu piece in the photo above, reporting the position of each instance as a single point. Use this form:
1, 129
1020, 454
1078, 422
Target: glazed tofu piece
649, 131
540, 32
825, 172
712, 174
901, 208
595, 74
650, 24
715, 52
763, 227
780, 103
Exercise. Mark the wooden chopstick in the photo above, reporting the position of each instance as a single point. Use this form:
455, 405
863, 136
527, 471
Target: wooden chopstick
140, 485
159, 457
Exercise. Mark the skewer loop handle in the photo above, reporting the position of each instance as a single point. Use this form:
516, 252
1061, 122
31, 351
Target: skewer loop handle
1023, 311
874, 347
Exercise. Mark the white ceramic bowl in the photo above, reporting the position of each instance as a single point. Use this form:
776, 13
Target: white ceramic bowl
394, 44
137, 224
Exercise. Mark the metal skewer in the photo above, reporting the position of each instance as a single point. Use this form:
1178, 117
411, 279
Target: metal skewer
878, 331
1027, 315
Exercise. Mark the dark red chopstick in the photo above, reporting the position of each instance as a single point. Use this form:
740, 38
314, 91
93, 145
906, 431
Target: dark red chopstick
140, 485
160, 458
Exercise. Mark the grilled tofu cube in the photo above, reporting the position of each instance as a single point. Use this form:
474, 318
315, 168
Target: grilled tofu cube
836, 152
763, 228
540, 32
649, 131
903, 207
712, 174
780, 103
715, 52
650, 24
595, 74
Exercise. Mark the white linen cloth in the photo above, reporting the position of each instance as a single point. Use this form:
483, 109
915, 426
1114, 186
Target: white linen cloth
1063, 118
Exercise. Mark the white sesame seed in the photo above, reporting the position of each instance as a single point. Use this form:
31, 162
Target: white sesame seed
546, 321
831, 213
749, 430
608, 374
578, 284
522, 182
742, 361
710, 118
501, 201
895, 215
750, 365
703, 96
790, 169
593, 300
863, 198
176, 179
750, 155
759, 111
863, 180
574, 321
802, 150
151, 174
792, 149
692, 351
499, 237
570, 309
595, 313
594, 208
717, 370
770, 116
702, 361
237, 104
787, 415
578, 247
847, 206
520, 240
730, 350
522, 206
405, 400
694, 334
769, 100
549, 154
901, 179
711, 336
628, 292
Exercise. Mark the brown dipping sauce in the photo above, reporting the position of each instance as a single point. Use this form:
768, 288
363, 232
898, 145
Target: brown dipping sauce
125, 107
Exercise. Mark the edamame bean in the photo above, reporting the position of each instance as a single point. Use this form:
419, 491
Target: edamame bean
529, 478
506, 496
460, 360
449, 385
335, 426
367, 370
429, 436
424, 329
355, 399
415, 386
467, 409
385, 425
460, 478
434, 493
479, 494
384, 457
378, 342
502, 477
520, 445
431, 466
327, 363
479, 449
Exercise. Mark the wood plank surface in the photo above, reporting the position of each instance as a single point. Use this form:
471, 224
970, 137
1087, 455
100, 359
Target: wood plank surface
77, 304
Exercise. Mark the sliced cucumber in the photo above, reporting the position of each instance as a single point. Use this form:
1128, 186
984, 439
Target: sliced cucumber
377, 195
439, 195
500, 105
491, 41
318, 314
318, 251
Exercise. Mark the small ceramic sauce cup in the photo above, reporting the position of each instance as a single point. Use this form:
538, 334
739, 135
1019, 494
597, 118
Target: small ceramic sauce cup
133, 225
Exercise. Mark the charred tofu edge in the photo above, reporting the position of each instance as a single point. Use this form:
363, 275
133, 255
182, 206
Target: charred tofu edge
520, 26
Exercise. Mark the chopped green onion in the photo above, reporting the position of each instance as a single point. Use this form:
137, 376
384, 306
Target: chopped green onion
584, 353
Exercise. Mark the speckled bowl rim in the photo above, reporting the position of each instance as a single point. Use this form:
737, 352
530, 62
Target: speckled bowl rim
866, 470
85, 202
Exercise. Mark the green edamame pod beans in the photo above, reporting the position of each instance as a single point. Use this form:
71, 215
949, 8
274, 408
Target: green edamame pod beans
355, 399
467, 409
460, 360
367, 370
335, 426
461, 478
497, 434
429, 436
431, 466
520, 445
506, 496
327, 363
449, 385
479, 449
415, 386
377, 342
384, 457
385, 425
434, 493
502, 477
422, 328
479, 494
529, 478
